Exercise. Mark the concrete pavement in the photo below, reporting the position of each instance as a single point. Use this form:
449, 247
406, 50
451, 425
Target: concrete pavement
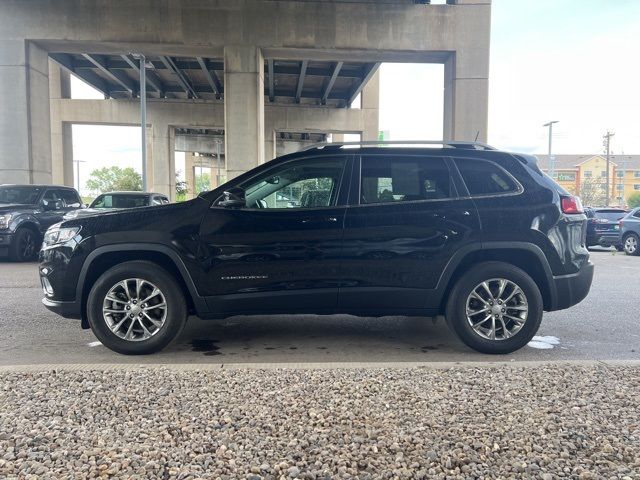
603, 327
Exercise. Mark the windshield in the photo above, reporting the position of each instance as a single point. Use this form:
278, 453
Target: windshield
120, 201
20, 195
611, 215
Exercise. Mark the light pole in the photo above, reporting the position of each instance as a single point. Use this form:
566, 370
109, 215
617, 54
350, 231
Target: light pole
552, 160
607, 143
142, 68
78, 162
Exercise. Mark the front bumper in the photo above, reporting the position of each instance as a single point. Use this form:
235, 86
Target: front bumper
64, 309
572, 289
5, 242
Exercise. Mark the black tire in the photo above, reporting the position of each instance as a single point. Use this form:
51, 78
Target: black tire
25, 245
630, 247
456, 312
176, 308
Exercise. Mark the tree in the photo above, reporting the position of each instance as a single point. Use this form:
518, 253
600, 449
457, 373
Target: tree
592, 192
181, 189
203, 182
113, 179
633, 200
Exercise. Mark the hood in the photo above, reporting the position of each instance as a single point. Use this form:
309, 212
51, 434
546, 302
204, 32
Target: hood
85, 212
16, 208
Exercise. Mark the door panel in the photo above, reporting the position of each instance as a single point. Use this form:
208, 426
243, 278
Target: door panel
395, 251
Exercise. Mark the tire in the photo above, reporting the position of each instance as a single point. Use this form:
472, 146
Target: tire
631, 244
25, 245
518, 333
126, 327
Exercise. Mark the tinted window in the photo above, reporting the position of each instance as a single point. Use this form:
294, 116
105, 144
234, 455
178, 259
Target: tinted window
305, 183
485, 178
120, 201
20, 195
637, 214
611, 214
401, 179
69, 197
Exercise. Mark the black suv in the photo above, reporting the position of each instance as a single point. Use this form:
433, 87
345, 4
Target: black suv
479, 235
26, 211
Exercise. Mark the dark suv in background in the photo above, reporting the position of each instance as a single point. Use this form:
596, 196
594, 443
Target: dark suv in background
479, 235
26, 211
603, 227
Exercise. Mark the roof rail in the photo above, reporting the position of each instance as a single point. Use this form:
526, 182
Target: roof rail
379, 143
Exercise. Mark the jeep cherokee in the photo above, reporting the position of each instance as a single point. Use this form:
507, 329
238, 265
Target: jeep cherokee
461, 229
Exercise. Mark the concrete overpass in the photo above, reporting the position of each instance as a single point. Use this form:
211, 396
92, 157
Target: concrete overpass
253, 69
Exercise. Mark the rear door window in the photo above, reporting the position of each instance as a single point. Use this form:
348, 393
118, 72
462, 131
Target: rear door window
389, 179
70, 198
485, 178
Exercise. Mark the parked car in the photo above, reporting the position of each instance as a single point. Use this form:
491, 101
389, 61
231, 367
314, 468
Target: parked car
603, 226
630, 232
108, 202
26, 211
479, 235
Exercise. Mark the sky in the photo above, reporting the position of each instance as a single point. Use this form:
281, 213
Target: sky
574, 61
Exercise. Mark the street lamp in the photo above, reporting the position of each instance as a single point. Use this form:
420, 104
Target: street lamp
78, 162
552, 160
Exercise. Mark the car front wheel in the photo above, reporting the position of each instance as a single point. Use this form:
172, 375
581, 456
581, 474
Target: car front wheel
136, 308
630, 244
25, 245
495, 308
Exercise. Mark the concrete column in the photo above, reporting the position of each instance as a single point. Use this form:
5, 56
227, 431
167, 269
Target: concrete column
162, 175
371, 108
189, 174
270, 144
25, 129
243, 108
466, 98
61, 132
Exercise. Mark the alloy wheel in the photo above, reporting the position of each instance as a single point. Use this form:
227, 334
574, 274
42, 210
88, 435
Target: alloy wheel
496, 309
27, 246
631, 244
134, 309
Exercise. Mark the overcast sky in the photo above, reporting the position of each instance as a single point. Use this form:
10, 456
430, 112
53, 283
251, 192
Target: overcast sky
575, 61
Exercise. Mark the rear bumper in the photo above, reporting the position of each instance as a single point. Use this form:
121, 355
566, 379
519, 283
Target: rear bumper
572, 289
604, 238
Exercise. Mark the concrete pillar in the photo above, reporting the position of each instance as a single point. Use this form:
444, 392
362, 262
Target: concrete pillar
270, 144
162, 162
466, 98
61, 132
189, 174
25, 128
371, 108
243, 108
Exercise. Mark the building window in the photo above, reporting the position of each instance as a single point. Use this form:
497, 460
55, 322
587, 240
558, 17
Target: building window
620, 186
636, 174
603, 173
636, 186
587, 174
619, 173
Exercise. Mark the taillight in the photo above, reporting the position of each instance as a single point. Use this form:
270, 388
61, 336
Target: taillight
571, 204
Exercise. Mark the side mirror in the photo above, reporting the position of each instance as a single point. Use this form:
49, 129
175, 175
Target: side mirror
232, 198
53, 205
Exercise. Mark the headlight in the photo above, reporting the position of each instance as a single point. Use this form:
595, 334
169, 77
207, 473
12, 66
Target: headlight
4, 221
56, 235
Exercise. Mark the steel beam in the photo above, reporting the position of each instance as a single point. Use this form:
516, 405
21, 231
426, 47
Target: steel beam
152, 79
97, 82
368, 71
303, 71
182, 79
212, 78
119, 77
332, 79
272, 80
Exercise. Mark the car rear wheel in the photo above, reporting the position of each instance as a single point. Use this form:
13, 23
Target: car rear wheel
495, 308
25, 245
136, 308
630, 244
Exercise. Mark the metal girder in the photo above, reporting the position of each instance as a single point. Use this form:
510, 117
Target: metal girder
212, 78
182, 79
368, 72
152, 79
116, 77
97, 82
303, 71
332, 79
272, 80
347, 71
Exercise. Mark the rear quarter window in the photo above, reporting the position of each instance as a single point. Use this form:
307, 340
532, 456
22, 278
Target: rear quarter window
484, 178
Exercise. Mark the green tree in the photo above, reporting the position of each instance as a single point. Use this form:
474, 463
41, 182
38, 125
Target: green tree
203, 182
113, 179
633, 200
181, 189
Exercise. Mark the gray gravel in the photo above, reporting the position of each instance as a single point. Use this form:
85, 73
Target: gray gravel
500, 422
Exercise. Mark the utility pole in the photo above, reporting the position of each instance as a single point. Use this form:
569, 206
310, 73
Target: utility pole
552, 160
607, 144
78, 162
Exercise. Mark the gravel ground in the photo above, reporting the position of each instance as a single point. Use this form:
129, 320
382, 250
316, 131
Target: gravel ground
491, 422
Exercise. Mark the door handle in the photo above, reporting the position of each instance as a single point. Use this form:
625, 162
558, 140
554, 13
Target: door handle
320, 220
